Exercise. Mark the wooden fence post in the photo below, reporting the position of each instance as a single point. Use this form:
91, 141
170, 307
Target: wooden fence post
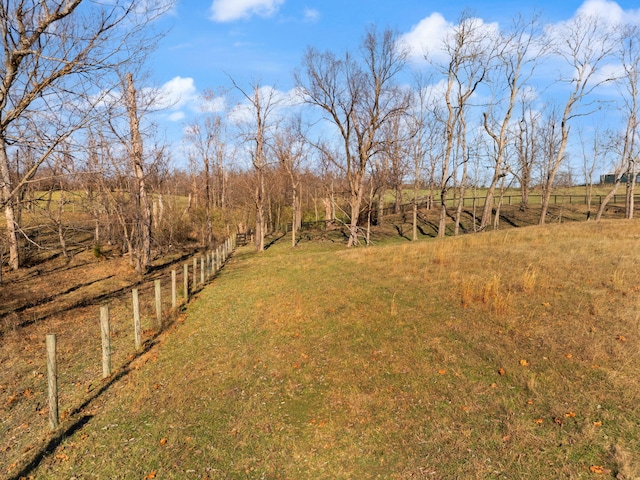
195, 272
136, 318
158, 296
202, 269
174, 294
105, 332
52, 372
186, 282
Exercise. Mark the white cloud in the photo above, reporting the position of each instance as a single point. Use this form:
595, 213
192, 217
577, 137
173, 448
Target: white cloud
230, 10
176, 116
427, 36
177, 93
311, 15
609, 11
280, 101
213, 105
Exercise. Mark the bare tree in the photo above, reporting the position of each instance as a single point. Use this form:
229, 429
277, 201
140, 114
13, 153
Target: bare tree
289, 147
422, 125
629, 86
206, 139
584, 43
262, 102
358, 96
52, 52
620, 166
527, 148
142, 245
590, 158
467, 63
515, 65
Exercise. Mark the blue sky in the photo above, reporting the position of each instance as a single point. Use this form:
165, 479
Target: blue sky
264, 40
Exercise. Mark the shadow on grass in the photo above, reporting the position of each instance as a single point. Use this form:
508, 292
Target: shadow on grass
51, 446
274, 240
75, 424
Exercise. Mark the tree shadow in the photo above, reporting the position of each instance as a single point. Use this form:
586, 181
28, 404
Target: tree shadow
62, 433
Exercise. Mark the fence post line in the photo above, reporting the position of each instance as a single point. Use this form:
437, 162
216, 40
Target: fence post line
136, 318
185, 269
52, 376
158, 296
218, 258
105, 333
202, 269
174, 294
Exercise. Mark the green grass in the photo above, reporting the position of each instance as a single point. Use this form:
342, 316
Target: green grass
504, 355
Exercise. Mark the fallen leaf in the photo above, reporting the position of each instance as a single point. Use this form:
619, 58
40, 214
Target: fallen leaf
150, 476
524, 363
442, 371
538, 421
597, 423
502, 372
163, 441
530, 402
557, 420
570, 414
599, 469
621, 338
569, 355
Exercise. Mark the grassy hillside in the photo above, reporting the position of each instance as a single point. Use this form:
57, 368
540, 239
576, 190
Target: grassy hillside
503, 355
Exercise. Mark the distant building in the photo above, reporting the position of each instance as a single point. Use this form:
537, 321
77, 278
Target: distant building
611, 178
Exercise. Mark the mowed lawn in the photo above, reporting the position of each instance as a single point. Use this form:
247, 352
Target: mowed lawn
502, 355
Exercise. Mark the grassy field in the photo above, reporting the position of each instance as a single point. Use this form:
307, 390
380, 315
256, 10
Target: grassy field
510, 354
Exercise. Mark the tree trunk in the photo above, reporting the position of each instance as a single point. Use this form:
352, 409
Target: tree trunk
260, 214
11, 234
631, 188
294, 216
608, 197
143, 242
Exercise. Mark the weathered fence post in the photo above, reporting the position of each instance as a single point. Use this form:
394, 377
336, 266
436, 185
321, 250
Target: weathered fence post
52, 372
174, 294
136, 318
105, 332
158, 296
186, 282
195, 272
202, 269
